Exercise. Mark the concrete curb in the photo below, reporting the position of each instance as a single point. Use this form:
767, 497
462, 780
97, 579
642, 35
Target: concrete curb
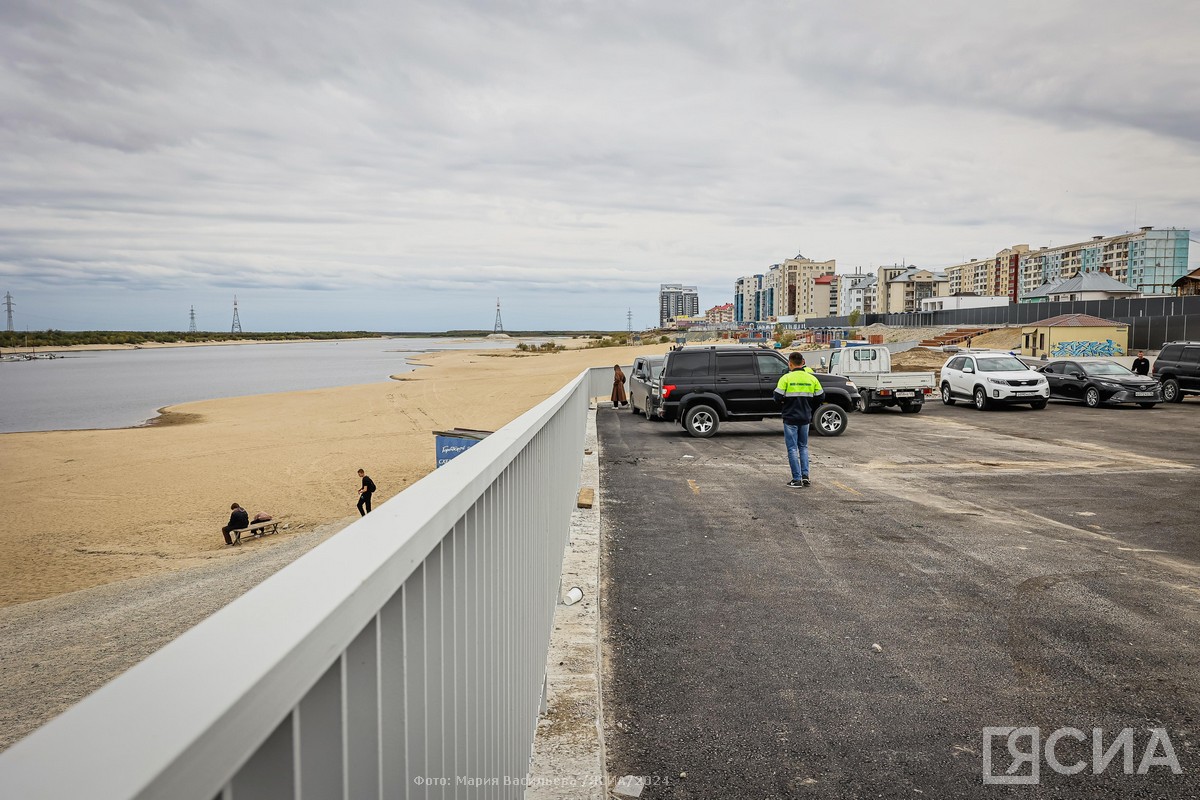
568, 751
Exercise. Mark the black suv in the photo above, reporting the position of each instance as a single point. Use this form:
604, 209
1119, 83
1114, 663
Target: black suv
705, 386
1178, 369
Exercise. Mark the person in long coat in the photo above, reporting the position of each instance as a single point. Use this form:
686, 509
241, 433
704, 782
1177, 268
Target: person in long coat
618, 395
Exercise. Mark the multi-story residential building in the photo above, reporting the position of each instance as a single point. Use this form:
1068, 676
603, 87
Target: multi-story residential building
719, 315
676, 300
787, 289
1149, 260
994, 276
901, 288
856, 290
748, 299
825, 295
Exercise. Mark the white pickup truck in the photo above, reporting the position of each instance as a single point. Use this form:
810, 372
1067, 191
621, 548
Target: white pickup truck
870, 367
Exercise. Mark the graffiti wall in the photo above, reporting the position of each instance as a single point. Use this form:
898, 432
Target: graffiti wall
1084, 349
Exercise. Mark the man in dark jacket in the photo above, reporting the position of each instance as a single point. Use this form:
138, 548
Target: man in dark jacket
1141, 364
798, 391
238, 518
364, 493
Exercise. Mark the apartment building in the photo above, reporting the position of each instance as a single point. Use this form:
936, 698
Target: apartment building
719, 315
856, 291
994, 276
900, 288
676, 300
825, 295
1149, 261
787, 289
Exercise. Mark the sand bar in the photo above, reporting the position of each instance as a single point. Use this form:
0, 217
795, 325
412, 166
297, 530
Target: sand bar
86, 508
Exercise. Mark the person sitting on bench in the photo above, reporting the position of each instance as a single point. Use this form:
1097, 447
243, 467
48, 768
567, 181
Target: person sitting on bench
237, 519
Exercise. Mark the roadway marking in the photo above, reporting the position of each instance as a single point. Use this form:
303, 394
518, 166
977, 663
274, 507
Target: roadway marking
695, 488
844, 487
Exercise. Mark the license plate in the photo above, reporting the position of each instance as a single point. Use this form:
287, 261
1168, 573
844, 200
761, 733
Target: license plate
1024, 394
1145, 394
906, 394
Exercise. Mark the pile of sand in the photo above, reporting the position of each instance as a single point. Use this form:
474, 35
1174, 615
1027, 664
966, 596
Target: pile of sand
919, 359
891, 333
1002, 339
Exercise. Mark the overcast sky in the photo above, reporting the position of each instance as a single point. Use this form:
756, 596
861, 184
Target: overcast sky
397, 165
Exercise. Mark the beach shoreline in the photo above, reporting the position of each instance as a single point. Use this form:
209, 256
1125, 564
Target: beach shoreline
83, 508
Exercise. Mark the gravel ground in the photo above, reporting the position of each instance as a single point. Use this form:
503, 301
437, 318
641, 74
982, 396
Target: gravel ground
55, 652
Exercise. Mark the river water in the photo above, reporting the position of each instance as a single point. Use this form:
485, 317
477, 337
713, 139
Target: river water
121, 388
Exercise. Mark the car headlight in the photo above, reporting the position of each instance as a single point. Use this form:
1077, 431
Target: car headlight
998, 381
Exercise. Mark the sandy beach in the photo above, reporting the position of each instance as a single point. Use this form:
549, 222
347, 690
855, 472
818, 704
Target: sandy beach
86, 508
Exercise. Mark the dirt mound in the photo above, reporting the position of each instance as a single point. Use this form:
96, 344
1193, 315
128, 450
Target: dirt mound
1003, 339
919, 359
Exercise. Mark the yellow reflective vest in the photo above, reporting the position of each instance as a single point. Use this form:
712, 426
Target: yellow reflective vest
798, 391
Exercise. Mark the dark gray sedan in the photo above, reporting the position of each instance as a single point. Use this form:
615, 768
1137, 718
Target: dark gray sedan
647, 371
1096, 382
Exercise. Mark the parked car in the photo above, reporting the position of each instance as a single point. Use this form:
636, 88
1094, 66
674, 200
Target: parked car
870, 367
987, 379
1096, 382
1178, 369
703, 387
646, 371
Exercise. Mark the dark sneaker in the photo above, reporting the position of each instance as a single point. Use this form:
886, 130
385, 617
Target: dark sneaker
806, 481
795, 484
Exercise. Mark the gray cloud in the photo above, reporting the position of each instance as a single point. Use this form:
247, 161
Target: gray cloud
371, 148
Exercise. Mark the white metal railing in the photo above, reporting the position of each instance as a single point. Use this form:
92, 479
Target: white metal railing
402, 658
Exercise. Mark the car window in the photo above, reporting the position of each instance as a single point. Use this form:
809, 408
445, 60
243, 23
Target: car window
656, 372
690, 365
865, 354
1106, 368
769, 365
1053, 369
956, 363
1170, 352
1191, 355
1003, 364
735, 363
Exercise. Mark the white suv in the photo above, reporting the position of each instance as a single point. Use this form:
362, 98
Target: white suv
992, 378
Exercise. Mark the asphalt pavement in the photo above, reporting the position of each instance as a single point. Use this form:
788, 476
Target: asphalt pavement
948, 572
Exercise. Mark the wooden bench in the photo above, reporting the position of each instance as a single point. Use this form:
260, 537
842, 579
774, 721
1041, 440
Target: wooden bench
257, 530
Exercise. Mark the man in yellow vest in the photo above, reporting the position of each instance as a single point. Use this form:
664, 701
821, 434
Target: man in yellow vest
799, 392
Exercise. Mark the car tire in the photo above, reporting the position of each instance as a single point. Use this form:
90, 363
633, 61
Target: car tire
1091, 396
910, 408
1171, 393
947, 397
980, 398
1038, 405
829, 420
862, 405
1147, 405
701, 421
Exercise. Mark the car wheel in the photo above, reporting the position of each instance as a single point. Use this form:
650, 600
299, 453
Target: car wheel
947, 397
981, 399
701, 421
830, 420
1091, 396
862, 405
1171, 391
1038, 405
1147, 405
910, 408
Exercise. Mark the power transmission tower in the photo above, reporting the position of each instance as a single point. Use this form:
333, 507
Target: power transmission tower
629, 320
192, 323
8, 304
237, 323
499, 325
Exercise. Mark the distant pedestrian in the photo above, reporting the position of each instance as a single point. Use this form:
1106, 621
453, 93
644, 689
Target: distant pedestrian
797, 391
1141, 364
238, 519
618, 394
364, 493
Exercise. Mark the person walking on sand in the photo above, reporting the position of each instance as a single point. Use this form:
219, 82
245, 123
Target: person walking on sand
797, 392
618, 395
364, 493
1141, 364
238, 519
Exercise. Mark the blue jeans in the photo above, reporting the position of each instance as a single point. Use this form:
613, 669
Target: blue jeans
796, 437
